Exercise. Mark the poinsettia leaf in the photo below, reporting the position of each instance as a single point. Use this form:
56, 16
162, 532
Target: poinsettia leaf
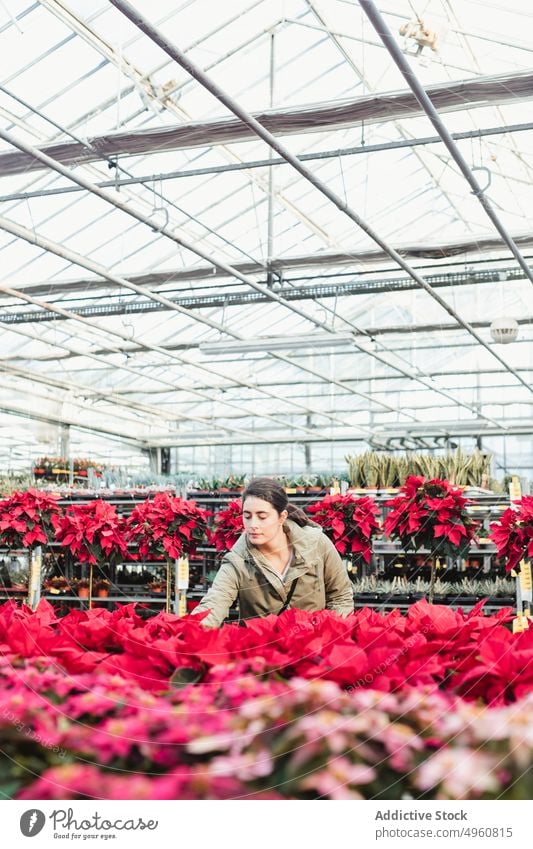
185, 675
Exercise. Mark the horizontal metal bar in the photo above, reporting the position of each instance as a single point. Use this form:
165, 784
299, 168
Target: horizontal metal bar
451, 428
268, 163
127, 305
475, 92
459, 248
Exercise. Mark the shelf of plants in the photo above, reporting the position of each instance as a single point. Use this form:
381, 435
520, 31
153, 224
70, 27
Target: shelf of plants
407, 566
100, 703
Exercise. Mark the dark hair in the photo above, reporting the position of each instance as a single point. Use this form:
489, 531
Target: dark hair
269, 489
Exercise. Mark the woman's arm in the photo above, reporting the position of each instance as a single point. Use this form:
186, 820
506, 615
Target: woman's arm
339, 592
220, 597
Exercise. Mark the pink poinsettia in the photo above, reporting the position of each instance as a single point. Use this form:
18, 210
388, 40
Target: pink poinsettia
246, 732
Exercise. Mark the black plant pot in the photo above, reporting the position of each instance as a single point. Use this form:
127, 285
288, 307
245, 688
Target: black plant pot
364, 598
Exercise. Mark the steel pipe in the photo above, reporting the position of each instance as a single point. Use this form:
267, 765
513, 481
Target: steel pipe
478, 91
175, 53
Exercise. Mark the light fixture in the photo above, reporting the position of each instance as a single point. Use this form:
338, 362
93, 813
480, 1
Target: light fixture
265, 344
504, 330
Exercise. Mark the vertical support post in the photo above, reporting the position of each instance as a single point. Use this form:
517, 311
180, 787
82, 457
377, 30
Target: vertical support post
64, 450
307, 445
35, 560
270, 232
524, 597
154, 456
64, 441
169, 577
522, 573
91, 573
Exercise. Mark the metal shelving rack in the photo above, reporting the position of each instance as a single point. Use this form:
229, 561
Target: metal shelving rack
488, 506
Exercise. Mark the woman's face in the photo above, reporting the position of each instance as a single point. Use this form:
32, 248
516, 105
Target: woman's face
262, 522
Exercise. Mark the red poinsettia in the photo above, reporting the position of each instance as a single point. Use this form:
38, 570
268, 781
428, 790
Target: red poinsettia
431, 514
349, 522
26, 518
228, 526
166, 525
93, 532
433, 646
513, 533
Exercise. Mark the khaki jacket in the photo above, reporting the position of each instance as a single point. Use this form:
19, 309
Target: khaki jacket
322, 579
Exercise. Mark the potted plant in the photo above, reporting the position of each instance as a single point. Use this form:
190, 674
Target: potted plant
512, 533
235, 483
311, 484
156, 586
101, 587
227, 526
167, 526
366, 590
432, 515
94, 533
27, 521
57, 585
82, 587
201, 485
350, 522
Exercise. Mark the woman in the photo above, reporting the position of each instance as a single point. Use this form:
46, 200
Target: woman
282, 559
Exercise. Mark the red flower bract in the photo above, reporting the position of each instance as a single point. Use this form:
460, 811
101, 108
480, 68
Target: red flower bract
228, 526
166, 525
431, 646
513, 533
431, 514
26, 518
93, 532
349, 522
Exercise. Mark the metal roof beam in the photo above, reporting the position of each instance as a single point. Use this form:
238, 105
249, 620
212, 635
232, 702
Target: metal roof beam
280, 265
34, 415
274, 161
171, 234
450, 428
429, 109
262, 132
87, 391
476, 92
405, 369
33, 238
128, 306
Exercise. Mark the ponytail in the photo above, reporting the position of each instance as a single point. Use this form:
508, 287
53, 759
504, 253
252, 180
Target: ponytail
297, 515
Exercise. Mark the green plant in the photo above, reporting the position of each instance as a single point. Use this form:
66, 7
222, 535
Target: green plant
490, 588
382, 470
14, 483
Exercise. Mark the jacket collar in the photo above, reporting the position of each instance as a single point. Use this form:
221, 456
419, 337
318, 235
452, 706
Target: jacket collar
302, 541
299, 539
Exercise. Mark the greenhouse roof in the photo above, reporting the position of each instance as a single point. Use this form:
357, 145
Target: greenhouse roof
242, 223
